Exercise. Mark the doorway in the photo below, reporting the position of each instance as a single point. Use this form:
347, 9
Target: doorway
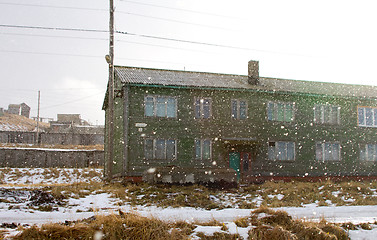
241, 162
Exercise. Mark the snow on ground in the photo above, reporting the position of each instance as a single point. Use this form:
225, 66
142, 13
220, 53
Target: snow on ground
103, 203
48, 176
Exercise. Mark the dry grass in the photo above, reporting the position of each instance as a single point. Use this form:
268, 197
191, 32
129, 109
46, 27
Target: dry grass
196, 196
270, 194
122, 226
266, 223
21, 123
273, 225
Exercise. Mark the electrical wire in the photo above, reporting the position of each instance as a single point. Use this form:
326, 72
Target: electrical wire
72, 101
53, 28
51, 6
148, 36
52, 36
176, 21
122, 12
182, 9
52, 54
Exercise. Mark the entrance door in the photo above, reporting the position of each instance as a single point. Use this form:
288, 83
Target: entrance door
241, 162
234, 162
246, 162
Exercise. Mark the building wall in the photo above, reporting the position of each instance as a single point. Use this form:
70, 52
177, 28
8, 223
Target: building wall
75, 119
25, 110
14, 109
303, 131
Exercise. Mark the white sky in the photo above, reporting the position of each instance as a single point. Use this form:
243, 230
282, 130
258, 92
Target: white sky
332, 41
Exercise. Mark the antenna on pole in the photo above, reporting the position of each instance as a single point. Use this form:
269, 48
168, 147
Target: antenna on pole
110, 116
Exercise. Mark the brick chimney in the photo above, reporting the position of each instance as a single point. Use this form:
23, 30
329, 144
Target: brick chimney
253, 72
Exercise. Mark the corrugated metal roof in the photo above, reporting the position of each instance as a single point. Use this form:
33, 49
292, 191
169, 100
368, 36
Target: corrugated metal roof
148, 76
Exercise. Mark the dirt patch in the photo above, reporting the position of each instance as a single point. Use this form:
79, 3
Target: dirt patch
13, 196
44, 200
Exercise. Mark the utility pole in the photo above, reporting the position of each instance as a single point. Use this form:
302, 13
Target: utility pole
110, 116
39, 103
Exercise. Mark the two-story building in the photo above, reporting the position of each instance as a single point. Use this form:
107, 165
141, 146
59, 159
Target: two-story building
261, 127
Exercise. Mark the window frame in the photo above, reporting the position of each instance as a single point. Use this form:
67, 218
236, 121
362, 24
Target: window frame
202, 142
153, 151
323, 153
155, 106
275, 113
374, 116
276, 155
237, 115
365, 148
201, 113
323, 119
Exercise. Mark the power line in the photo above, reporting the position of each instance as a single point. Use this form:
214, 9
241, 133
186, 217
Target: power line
105, 39
122, 12
177, 21
53, 28
73, 101
150, 37
52, 36
182, 9
49, 53
52, 6
204, 43
92, 56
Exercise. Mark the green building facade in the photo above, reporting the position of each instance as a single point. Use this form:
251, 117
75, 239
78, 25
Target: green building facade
261, 127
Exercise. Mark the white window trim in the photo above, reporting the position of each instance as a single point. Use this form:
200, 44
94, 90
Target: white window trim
365, 119
202, 149
276, 151
201, 106
322, 117
154, 148
155, 106
275, 111
365, 148
323, 151
238, 109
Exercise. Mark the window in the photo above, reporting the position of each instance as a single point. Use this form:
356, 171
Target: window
202, 108
281, 151
328, 151
159, 106
367, 116
368, 152
326, 114
161, 149
239, 109
203, 149
278, 111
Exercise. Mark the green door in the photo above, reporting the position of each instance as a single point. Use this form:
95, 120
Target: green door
234, 162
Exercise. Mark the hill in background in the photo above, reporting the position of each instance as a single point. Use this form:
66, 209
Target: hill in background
12, 122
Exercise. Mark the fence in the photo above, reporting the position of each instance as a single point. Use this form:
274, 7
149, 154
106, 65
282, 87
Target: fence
44, 158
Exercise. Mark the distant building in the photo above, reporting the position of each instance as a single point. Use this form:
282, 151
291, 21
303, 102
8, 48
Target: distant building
19, 109
74, 119
70, 129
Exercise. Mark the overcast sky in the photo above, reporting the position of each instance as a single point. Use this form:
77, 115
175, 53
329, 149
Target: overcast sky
330, 41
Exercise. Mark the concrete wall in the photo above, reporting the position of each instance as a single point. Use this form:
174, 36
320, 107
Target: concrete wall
72, 139
24, 157
52, 138
17, 137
